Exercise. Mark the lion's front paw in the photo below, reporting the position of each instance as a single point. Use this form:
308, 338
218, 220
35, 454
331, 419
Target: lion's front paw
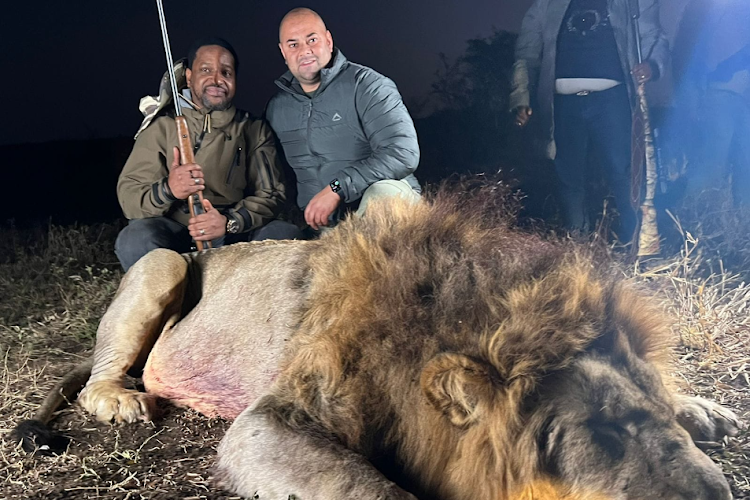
109, 401
706, 420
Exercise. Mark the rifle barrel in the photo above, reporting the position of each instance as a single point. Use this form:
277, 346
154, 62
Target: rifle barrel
635, 14
170, 61
183, 134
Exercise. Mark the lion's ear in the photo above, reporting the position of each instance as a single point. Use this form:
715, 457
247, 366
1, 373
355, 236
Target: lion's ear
457, 385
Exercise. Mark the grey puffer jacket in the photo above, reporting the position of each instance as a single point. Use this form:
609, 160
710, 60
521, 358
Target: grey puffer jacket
354, 128
536, 52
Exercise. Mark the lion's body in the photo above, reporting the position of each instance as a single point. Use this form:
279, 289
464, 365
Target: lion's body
225, 352
474, 358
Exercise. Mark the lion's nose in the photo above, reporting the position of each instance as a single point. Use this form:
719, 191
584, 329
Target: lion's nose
715, 488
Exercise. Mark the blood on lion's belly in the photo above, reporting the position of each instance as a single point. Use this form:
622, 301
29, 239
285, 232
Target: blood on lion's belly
211, 377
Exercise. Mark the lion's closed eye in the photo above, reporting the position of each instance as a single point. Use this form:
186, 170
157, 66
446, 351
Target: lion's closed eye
610, 437
613, 435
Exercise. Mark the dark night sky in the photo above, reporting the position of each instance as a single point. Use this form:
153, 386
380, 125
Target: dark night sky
82, 66
85, 64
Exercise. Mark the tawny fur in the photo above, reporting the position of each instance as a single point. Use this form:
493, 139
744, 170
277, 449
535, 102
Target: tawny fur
550, 490
521, 305
434, 335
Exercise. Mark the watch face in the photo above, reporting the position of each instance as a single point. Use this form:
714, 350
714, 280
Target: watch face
335, 185
232, 226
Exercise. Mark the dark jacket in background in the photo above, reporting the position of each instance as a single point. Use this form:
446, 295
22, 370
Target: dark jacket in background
536, 51
354, 128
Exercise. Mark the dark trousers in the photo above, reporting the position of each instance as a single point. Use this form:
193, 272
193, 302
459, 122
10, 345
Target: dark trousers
598, 123
141, 236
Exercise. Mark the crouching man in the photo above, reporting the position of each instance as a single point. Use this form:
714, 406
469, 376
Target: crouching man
235, 167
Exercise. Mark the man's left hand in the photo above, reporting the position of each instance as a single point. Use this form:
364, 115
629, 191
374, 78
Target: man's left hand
209, 225
642, 72
321, 207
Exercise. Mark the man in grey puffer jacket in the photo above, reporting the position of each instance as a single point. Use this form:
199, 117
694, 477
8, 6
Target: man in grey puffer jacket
343, 127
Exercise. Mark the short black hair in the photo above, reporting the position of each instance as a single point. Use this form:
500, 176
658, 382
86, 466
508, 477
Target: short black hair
212, 40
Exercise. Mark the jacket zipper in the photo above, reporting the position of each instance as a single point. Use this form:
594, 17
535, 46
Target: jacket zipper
235, 163
198, 142
309, 127
309, 136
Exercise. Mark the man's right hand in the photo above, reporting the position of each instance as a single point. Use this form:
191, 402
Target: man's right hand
523, 113
184, 180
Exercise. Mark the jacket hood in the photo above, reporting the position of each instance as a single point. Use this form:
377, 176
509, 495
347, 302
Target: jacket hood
151, 105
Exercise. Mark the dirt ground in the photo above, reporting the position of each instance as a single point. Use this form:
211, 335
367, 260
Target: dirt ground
47, 325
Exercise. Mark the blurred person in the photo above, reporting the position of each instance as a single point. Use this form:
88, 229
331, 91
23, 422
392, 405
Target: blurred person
578, 58
712, 70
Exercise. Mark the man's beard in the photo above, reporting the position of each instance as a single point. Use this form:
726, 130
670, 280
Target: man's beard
215, 106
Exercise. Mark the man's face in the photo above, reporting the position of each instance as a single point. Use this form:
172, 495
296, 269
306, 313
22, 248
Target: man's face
307, 47
212, 78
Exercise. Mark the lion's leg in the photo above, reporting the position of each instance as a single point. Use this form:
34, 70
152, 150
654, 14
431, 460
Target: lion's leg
148, 302
704, 419
261, 457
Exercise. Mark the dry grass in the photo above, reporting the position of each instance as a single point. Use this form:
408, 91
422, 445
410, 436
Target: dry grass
709, 306
55, 285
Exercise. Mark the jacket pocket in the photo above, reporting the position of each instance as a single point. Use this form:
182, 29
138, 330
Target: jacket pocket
270, 180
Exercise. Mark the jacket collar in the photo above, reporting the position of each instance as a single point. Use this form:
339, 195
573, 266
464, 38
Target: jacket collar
204, 118
289, 83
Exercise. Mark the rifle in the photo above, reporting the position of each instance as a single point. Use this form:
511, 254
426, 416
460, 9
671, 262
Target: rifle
648, 235
183, 133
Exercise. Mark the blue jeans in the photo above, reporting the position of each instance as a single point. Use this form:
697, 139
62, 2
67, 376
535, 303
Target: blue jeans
600, 123
141, 236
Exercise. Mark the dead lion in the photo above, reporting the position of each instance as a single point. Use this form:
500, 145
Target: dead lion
477, 360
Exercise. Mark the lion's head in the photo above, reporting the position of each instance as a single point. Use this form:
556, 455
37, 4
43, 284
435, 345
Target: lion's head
611, 426
569, 386
602, 424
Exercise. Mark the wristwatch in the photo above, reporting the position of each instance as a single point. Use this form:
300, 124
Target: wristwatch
335, 185
233, 226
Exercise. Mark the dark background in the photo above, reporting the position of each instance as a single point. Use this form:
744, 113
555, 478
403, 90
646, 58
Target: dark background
75, 71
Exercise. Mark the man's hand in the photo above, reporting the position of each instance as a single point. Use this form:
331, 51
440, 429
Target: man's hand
209, 225
321, 207
523, 113
184, 180
642, 72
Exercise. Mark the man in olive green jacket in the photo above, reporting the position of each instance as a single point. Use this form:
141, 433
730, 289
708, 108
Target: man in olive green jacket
235, 167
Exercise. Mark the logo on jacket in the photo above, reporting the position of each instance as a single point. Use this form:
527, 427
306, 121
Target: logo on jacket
336, 117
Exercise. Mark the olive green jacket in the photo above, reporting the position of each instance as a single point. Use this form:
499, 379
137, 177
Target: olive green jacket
243, 176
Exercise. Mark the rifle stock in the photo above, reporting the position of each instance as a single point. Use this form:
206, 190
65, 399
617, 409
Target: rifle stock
186, 156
